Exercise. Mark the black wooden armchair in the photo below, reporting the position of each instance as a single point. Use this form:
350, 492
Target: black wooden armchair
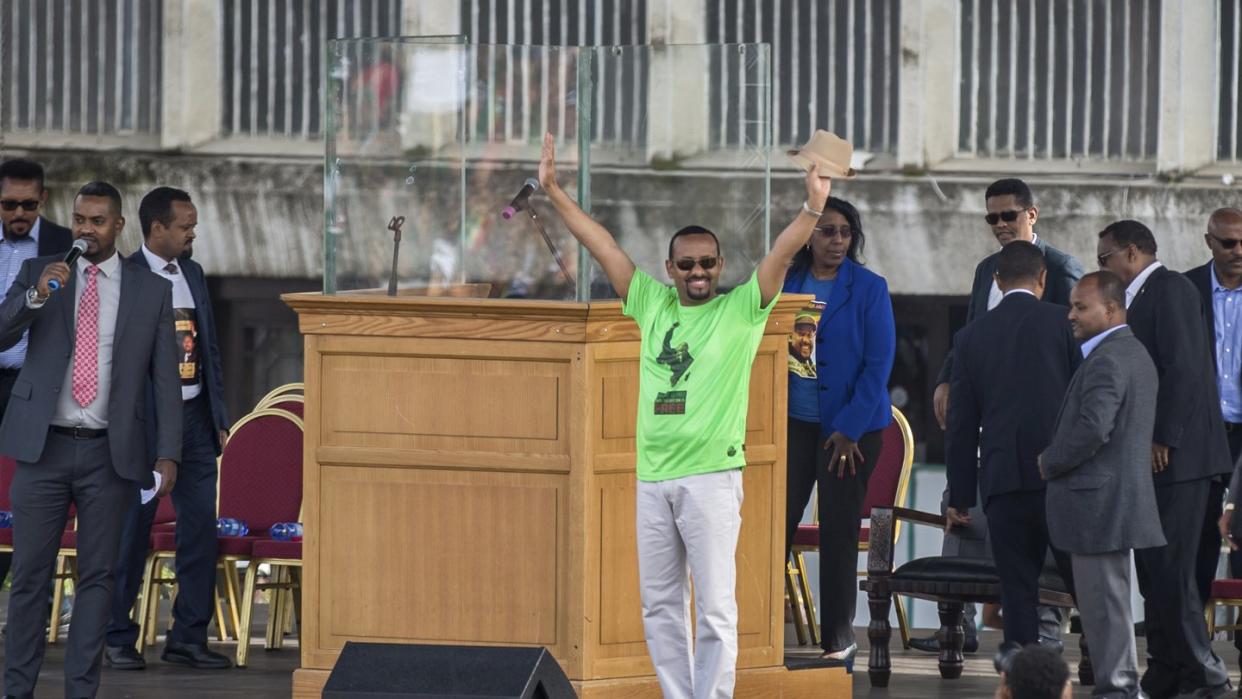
950, 582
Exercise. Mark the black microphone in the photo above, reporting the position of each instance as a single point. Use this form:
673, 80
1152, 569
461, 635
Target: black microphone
529, 187
78, 249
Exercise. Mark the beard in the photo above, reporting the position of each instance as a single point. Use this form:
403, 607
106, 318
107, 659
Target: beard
189, 253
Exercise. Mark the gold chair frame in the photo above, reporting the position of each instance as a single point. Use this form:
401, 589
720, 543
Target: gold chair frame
148, 598
296, 388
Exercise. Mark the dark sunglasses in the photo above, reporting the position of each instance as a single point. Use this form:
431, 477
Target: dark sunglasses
687, 265
843, 232
1006, 216
1226, 243
1105, 256
12, 204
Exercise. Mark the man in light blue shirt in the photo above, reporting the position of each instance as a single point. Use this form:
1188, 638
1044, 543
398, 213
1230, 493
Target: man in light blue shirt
24, 234
1220, 285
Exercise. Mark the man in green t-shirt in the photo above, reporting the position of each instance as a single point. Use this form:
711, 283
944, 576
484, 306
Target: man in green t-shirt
694, 386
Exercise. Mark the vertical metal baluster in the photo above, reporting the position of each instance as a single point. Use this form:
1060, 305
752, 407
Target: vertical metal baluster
868, 70
813, 61
1013, 78
849, 71
1069, 82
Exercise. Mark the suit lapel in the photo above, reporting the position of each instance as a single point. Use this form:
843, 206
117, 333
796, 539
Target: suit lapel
69, 304
131, 291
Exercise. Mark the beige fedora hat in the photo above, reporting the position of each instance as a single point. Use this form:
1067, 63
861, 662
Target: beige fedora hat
829, 151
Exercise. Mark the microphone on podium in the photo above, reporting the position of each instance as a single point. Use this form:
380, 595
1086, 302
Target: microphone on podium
529, 187
78, 249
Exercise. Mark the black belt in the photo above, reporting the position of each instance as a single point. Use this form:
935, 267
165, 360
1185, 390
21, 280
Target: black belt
79, 432
1233, 426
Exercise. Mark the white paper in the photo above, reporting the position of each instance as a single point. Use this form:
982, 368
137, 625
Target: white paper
148, 494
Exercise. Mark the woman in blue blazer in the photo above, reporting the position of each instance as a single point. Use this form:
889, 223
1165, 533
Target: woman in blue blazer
840, 355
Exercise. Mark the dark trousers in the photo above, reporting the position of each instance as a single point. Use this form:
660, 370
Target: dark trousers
7, 377
840, 517
77, 471
1018, 529
194, 496
1178, 651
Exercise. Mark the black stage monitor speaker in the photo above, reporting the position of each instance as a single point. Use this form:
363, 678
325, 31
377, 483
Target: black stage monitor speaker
393, 670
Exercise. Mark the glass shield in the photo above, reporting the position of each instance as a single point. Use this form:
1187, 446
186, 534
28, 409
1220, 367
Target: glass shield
441, 137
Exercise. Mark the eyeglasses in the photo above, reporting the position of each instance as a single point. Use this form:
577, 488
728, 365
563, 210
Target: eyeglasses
1006, 216
12, 204
687, 265
1226, 243
843, 232
1101, 258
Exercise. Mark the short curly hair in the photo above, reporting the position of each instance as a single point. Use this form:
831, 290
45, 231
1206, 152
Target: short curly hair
1036, 672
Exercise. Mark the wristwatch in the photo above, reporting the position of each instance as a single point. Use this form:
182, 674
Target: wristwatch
32, 298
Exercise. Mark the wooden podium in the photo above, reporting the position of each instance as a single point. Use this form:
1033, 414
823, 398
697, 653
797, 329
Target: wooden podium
469, 480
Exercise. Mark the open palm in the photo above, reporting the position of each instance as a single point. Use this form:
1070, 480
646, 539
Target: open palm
547, 163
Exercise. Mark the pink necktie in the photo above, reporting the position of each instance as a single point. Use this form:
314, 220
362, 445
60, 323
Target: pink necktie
86, 355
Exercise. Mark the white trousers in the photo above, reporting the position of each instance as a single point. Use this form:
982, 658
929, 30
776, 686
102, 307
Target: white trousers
693, 523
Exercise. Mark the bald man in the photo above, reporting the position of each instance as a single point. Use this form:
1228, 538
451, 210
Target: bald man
1220, 284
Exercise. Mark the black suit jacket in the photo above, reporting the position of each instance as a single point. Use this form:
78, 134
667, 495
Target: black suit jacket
1063, 273
53, 239
208, 345
1201, 277
1012, 370
1166, 315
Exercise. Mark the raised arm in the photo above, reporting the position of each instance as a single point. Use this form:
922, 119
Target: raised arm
598, 241
772, 268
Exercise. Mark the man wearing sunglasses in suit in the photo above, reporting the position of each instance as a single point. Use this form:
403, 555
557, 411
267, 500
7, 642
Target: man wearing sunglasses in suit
26, 234
1220, 286
1190, 454
1011, 214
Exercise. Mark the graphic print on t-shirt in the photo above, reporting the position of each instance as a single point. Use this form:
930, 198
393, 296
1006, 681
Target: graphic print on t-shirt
187, 345
802, 340
678, 360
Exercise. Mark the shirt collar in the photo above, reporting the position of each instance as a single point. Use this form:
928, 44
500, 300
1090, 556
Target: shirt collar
34, 232
1011, 292
1140, 280
108, 267
1216, 285
1089, 346
156, 262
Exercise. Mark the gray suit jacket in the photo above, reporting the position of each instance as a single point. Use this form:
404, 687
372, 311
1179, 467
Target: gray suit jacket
144, 347
1100, 494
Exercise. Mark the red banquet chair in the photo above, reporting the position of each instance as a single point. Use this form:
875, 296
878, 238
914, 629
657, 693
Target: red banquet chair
260, 483
888, 487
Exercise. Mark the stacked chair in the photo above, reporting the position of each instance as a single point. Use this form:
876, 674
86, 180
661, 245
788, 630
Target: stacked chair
260, 483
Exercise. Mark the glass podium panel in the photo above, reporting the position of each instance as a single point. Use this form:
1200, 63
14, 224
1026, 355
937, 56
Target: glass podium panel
439, 135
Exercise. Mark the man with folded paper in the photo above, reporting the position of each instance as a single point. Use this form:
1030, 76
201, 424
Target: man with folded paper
694, 375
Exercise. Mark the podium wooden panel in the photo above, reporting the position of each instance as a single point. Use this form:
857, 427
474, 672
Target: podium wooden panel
469, 479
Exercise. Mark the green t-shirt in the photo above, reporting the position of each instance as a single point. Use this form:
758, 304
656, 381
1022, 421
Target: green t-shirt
694, 377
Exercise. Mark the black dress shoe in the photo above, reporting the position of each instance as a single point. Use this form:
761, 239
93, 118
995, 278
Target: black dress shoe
195, 655
124, 658
931, 644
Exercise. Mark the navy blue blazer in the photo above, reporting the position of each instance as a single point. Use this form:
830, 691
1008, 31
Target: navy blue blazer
1013, 368
854, 349
1063, 273
205, 319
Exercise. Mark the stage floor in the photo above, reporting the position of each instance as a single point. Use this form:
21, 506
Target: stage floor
269, 673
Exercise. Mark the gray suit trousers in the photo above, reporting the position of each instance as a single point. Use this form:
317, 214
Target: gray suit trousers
1104, 606
77, 471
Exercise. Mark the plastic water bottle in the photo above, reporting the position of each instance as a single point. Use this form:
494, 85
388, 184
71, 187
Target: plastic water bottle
286, 531
6, 519
227, 526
